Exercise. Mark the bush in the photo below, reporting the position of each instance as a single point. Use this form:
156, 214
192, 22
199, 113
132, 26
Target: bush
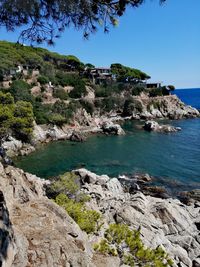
57, 119
22, 125
15, 118
162, 91
88, 220
21, 90
65, 190
88, 106
120, 235
43, 80
132, 105
79, 90
74, 80
67, 183
101, 91
109, 104
137, 90
41, 111
60, 93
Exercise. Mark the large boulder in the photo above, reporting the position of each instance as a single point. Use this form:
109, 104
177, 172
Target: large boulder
14, 147
156, 127
35, 231
111, 128
77, 137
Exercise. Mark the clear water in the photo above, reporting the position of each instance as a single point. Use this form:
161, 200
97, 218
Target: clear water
173, 158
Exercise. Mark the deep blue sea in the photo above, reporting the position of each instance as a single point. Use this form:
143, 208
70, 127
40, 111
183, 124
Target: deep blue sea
189, 96
174, 159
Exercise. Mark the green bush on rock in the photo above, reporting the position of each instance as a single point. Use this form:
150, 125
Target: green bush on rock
66, 193
120, 238
88, 220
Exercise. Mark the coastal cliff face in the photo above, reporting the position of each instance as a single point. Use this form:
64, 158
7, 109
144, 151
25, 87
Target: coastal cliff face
169, 107
37, 232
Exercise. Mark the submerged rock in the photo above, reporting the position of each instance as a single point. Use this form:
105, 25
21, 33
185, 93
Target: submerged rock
189, 197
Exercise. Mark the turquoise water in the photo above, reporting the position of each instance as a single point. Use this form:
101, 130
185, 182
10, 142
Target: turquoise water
173, 158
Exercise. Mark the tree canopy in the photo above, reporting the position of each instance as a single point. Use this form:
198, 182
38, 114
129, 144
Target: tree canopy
45, 20
12, 54
15, 118
125, 73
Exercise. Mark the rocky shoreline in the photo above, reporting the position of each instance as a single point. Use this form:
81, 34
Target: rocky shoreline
37, 232
165, 107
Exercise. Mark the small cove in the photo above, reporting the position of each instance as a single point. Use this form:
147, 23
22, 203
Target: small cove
174, 159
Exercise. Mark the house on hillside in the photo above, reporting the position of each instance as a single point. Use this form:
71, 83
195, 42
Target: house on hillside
101, 74
16, 70
152, 85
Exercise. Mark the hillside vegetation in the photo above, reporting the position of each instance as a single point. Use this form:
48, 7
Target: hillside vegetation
56, 86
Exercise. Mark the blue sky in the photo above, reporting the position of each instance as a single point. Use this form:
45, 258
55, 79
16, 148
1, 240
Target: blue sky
163, 41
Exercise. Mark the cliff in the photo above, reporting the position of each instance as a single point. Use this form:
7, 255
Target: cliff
37, 232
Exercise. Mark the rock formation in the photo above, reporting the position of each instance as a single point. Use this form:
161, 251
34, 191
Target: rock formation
156, 127
109, 127
170, 107
165, 222
36, 232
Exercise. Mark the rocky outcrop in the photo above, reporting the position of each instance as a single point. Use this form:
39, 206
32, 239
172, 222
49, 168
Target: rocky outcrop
109, 127
77, 137
36, 232
156, 127
14, 147
165, 222
170, 107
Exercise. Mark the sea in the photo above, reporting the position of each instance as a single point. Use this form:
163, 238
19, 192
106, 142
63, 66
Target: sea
172, 159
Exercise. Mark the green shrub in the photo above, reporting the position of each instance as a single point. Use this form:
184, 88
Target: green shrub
60, 93
118, 235
15, 118
57, 119
101, 91
79, 90
21, 90
137, 90
88, 220
65, 190
41, 111
88, 106
109, 104
132, 105
6, 99
162, 91
43, 80
67, 183
22, 125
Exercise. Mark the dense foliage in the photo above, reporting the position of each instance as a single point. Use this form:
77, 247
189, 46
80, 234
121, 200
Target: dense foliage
128, 74
15, 118
132, 105
120, 238
56, 85
12, 55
